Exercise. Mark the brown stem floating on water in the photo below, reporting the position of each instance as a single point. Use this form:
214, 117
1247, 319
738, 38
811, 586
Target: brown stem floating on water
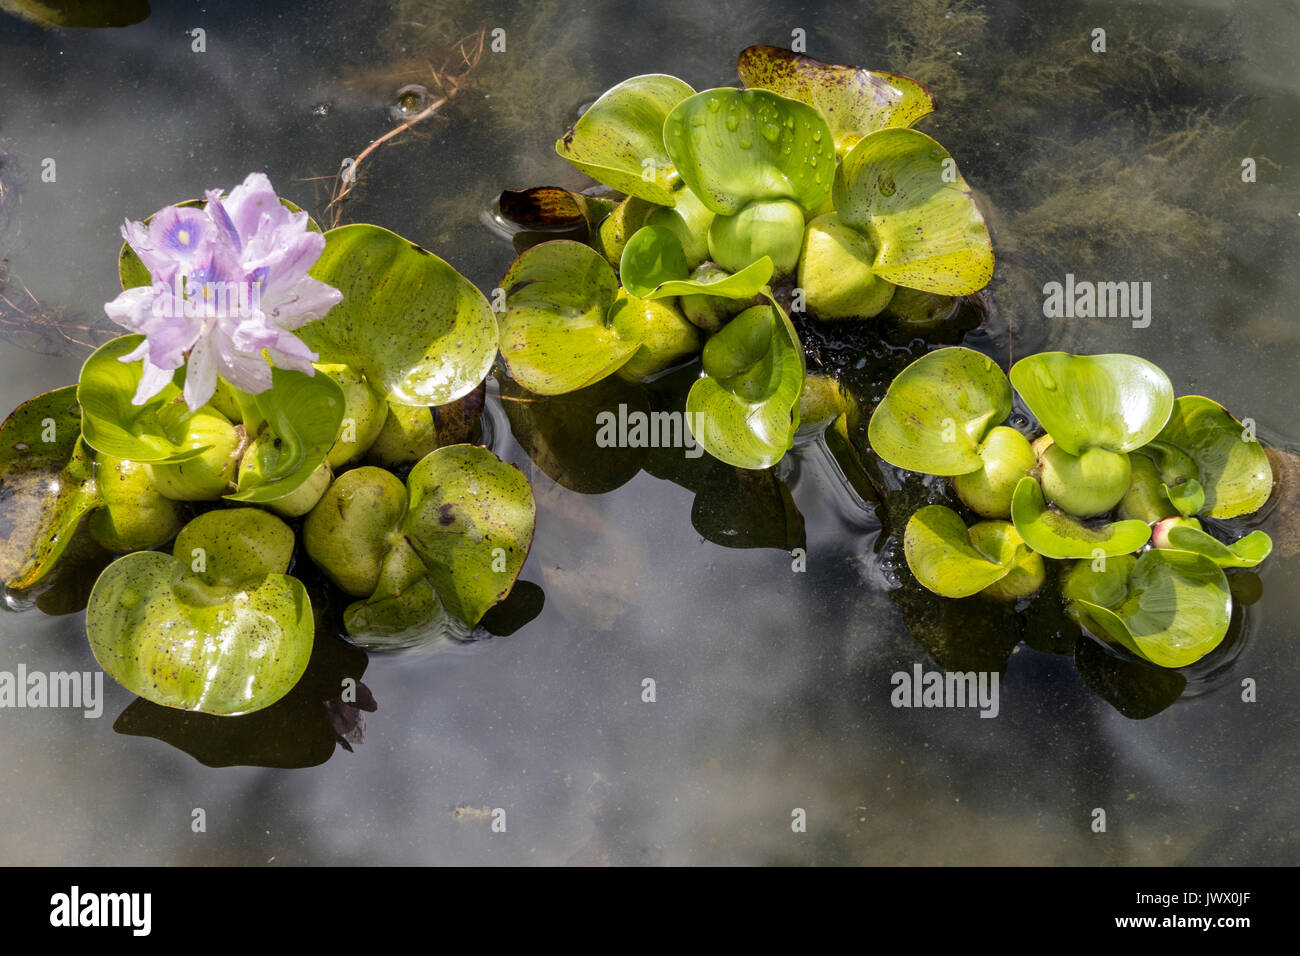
470, 49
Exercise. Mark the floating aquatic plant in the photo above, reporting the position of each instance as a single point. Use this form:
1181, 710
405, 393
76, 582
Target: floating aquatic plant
258, 400
809, 175
1116, 440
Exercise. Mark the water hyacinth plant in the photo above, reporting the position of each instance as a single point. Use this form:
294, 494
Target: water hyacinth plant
1112, 486
266, 361
805, 192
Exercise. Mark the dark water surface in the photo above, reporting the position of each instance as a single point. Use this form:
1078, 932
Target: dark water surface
772, 686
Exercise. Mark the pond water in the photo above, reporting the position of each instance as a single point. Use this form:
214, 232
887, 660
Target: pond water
772, 685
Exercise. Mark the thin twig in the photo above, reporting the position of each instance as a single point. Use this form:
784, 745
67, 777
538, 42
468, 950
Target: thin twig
471, 50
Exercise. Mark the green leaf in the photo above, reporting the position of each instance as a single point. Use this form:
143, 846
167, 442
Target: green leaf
403, 610
734, 147
1188, 497
1245, 552
1234, 470
619, 140
1056, 535
938, 411
235, 547
169, 637
46, 485
132, 271
1105, 583
155, 432
470, 520
455, 538
854, 101
302, 414
1117, 402
1177, 609
555, 337
902, 190
417, 329
745, 411
938, 549
654, 266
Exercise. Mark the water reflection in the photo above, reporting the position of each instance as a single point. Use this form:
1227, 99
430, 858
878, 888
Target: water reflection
325, 709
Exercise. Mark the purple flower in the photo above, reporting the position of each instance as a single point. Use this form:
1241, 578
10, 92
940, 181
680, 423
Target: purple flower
230, 285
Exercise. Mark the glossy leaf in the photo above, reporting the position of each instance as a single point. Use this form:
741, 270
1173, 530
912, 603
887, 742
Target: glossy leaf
938, 411
155, 432
938, 549
470, 520
554, 333
1234, 470
165, 635
854, 101
734, 147
902, 190
1117, 402
654, 266
235, 547
1177, 609
1245, 552
303, 414
1057, 535
745, 411
46, 485
417, 329
619, 140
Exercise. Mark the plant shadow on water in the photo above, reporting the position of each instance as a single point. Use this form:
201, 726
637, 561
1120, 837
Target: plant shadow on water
657, 564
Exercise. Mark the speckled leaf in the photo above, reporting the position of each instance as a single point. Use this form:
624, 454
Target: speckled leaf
1235, 472
654, 266
303, 413
1117, 402
154, 432
902, 189
1245, 552
415, 327
470, 520
734, 147
938, 411
554, 333
46, 485
404, 610
234, 547
938, 549
854, 101
745, 411
1177, 610
1056, 535
165, 635
619, 140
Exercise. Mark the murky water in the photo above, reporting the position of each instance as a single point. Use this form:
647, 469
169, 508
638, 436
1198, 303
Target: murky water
772, 686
